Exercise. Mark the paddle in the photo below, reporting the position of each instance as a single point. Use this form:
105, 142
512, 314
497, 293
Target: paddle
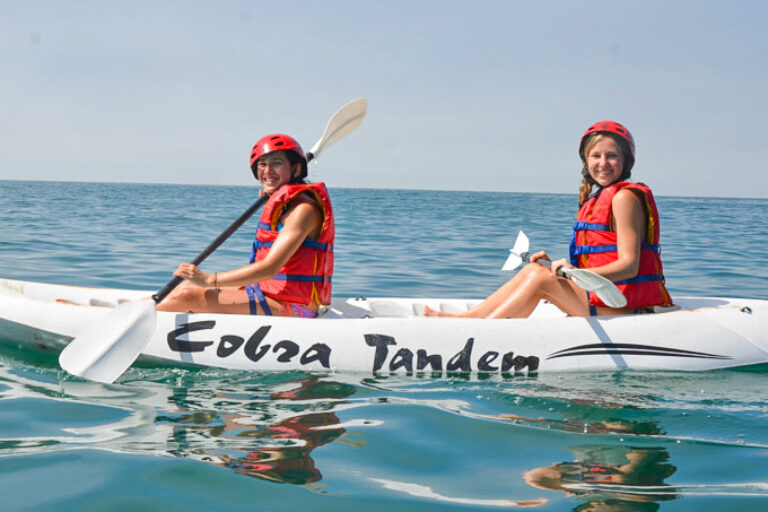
104, 350
583, 278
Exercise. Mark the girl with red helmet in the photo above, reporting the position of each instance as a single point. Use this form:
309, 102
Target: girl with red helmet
616, 235
289, 273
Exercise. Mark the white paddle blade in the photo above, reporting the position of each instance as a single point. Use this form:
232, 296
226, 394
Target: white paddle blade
522, 244
598, 284
513, 261
515, 258
342, 123
611, 296
584, 278
109, 346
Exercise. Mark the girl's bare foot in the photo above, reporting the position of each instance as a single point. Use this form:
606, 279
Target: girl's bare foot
431, 312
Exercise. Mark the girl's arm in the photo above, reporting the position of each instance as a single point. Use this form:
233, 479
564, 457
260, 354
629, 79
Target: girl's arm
629, 222
303, 219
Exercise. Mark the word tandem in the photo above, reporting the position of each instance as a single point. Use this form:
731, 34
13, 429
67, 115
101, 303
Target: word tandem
462, 362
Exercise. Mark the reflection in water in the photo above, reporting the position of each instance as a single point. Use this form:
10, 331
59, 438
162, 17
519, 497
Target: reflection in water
604, 477
278, 451
269, 425
610, 477
597, 427
266, 427
594, 417
423, 491
289, 464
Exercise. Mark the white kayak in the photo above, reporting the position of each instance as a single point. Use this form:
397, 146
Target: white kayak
391, 335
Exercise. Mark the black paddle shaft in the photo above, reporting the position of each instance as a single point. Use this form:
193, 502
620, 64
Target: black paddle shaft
173, 283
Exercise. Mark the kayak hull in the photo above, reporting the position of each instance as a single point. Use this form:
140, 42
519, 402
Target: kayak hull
389, 335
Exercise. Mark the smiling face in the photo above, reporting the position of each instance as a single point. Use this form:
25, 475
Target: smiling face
275, 170
605, 160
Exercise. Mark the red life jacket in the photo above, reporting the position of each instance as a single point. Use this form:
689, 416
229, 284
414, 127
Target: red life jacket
306, 277
594, 244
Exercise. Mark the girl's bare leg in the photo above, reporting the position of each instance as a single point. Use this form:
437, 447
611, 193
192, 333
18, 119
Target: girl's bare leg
193, 299
496, 299
542, 285
519, 296
490, 304
231, 300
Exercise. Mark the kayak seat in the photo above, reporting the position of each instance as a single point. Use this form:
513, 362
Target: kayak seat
418, 308
389, 309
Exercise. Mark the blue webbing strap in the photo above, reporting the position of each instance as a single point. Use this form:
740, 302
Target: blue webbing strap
595, 249
302, 278
254, 289
642, 279
589, 226
592, 307
311, 244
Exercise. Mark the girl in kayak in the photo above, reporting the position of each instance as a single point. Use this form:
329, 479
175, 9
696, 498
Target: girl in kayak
291, 263
616, 235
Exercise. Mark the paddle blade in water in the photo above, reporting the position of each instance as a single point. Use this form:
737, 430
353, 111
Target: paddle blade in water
108, 347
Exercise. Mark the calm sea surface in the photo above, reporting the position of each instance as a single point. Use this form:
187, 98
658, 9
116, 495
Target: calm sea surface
173, 439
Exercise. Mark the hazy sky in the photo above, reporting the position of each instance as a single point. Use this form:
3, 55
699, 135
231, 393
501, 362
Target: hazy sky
463, 95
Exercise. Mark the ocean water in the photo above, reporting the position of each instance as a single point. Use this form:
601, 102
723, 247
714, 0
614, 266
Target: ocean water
181, 439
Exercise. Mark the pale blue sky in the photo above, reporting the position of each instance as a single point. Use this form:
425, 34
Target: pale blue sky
463, 95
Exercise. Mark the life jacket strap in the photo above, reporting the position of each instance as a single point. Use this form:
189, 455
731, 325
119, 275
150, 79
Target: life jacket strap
309, 244
254, 293
302, 278
642, 279
589, 226
596, 249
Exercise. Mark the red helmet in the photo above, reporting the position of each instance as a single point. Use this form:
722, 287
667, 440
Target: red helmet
277, 142
616, 129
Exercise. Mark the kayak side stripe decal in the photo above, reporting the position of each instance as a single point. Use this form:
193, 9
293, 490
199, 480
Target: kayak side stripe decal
632, 349
638, 353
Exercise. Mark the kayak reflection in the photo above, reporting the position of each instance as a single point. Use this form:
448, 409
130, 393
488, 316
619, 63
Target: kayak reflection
591, 416
609, 477
593, 426
267, 436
